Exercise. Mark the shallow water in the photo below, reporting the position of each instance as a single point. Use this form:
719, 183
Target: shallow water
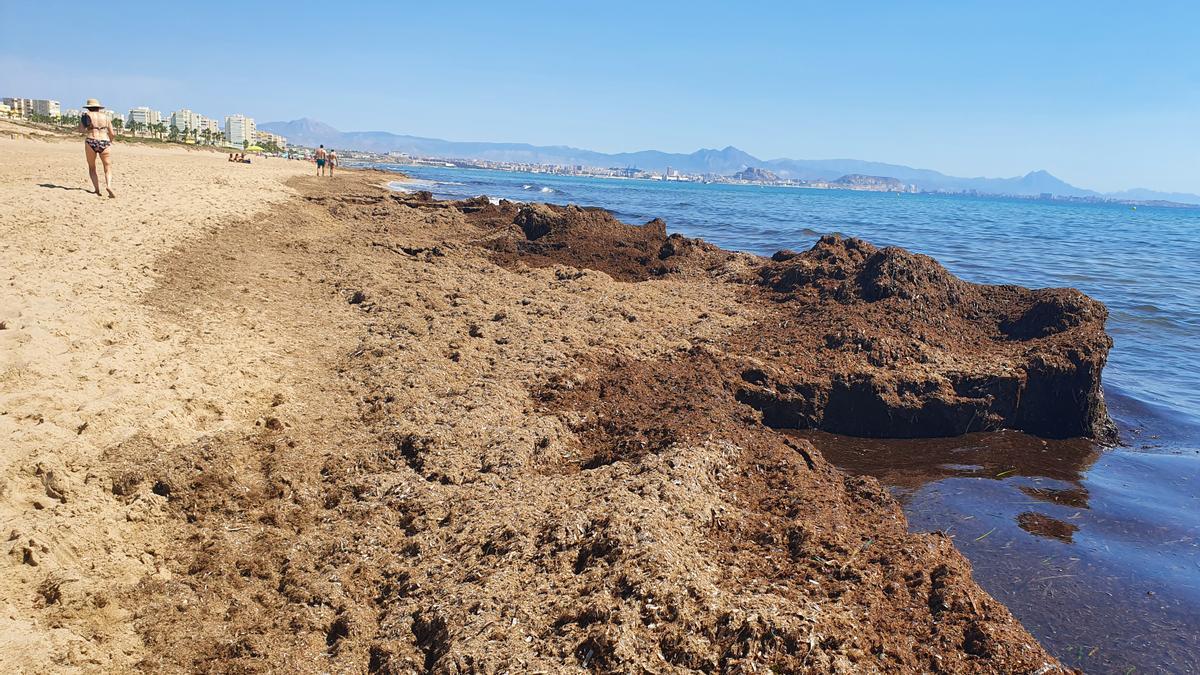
1067, 534
1096, 550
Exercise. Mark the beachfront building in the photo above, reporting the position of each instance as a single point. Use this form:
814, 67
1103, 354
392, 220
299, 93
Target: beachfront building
264, 138
185, 119
44, 107
25, 107
144, 116
194, 123
239, 130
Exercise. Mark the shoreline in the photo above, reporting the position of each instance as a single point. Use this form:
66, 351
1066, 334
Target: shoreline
978, 245
392, 455
1154, 204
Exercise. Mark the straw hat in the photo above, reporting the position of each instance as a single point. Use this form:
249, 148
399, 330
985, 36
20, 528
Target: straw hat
92, 103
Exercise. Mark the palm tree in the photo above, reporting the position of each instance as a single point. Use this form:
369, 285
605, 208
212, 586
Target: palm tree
118, 124
173, 134
245, 144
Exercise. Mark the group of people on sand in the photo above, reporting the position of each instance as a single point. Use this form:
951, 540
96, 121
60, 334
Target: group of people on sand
239, 157
326, 159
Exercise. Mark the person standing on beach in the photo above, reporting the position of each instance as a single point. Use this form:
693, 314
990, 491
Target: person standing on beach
320, 156
332, 161
98, 138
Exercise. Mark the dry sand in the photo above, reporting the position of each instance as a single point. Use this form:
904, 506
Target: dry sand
263, 422
84, 366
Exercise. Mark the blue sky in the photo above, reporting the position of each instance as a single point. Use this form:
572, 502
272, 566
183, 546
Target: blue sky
1105, 95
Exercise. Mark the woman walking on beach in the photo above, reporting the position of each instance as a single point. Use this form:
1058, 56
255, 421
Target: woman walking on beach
98, 138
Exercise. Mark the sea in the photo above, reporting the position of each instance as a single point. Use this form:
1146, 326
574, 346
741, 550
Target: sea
1095, 549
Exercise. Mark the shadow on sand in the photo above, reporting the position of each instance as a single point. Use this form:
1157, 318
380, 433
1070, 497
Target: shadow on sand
63, 187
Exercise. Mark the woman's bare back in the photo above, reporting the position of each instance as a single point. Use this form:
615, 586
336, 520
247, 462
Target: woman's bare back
100, 126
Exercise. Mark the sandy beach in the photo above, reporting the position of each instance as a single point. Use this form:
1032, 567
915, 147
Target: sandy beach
264, 421
85, 366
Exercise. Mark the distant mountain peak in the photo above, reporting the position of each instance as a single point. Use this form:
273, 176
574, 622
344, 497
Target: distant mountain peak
726, 161
304, 125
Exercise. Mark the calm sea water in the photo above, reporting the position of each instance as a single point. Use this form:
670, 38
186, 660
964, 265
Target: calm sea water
1096, 550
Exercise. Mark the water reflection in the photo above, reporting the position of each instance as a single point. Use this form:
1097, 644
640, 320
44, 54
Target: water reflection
1055, 467
1096, 551
1044, 526
908, 464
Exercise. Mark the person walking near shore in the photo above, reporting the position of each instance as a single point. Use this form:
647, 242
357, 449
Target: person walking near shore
98, 138
320, 155
332, 161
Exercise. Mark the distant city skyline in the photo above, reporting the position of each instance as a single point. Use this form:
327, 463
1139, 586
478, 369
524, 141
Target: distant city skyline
1104, 95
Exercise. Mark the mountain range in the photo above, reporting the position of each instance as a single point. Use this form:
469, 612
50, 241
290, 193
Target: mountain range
725, 162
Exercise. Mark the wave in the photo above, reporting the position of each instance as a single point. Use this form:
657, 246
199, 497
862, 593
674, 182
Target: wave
409, 184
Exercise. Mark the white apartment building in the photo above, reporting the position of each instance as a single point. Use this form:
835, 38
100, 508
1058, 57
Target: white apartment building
33, 106
262, 137
145, 116
185, 119
239, 129
194, 122
43, 107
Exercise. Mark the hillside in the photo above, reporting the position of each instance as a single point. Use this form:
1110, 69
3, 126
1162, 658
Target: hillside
756, 174
859, 180
725, 161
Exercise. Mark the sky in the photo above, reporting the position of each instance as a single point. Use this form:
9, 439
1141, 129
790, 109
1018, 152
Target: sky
1104, 95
